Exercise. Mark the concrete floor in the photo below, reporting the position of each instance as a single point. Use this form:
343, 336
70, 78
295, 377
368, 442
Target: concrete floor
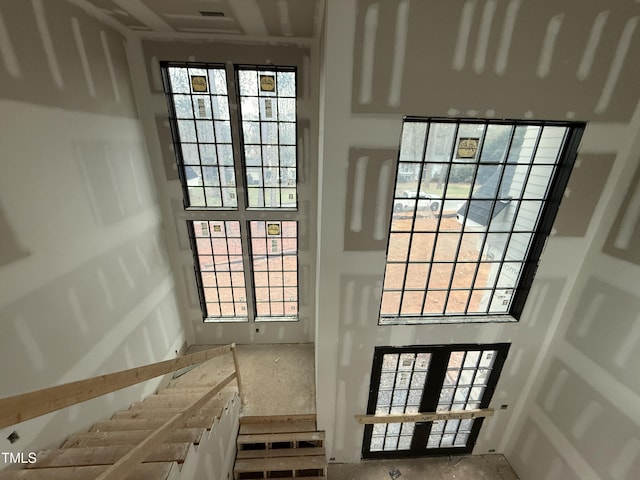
467, 467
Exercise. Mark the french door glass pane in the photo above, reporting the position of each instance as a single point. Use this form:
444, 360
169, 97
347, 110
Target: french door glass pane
402, 380
463, 389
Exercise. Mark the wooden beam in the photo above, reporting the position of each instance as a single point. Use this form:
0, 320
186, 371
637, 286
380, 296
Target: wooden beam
128, 463
424, 417
26, 406
236, 365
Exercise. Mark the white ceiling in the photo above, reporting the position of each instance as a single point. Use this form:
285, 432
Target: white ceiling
262, 18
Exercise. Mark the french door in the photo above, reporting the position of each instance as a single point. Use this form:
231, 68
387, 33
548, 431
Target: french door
430, 379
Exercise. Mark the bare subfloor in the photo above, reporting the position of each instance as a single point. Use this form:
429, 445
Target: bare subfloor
468, 467
277, 379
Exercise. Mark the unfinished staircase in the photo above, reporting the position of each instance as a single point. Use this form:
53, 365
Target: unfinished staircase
281, 446
86, 455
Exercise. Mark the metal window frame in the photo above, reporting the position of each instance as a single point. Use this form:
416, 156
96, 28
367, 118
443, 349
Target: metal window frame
276, 69
241, 213
562, 169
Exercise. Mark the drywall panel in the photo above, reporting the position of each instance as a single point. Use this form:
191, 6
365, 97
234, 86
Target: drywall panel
370, 184
68, 59
623, 241
83, 303
96, 293
10, 248
118, 184
535, 457
166, 147
484, 58
605, 328
584, 189
585, 416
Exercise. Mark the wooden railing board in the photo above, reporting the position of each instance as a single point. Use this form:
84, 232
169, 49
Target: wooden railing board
26, 406
425, 417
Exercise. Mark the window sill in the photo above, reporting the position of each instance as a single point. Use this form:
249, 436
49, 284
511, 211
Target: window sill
446, 320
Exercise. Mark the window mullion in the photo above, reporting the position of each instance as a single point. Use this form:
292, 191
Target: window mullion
237, 140
245, 236
464, 220
437, 229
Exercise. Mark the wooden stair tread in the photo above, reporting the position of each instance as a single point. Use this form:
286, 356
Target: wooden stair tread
166, 413
228, 390
129, 437
82, 456
177, 401
284, 463
198, 421
145, 471
295, 418
260, 428
302, 478
280, 437
280, 452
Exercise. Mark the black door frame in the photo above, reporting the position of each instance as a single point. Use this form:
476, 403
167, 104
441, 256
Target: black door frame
436, 372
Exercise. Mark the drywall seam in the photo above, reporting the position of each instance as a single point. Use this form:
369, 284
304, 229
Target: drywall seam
482, 42
7, 51
399, 53
511, 16
548, 46
616, 65
563, 446
590, 48
464, 31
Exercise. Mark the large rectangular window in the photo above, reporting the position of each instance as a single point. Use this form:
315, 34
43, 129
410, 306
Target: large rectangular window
235, 135
474, 202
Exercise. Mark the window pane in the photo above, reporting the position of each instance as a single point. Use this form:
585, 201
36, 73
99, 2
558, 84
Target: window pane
200, 94
268, 113
274, 255
218, 250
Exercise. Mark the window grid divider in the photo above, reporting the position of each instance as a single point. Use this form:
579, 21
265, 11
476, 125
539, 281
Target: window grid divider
439, 222
464, 223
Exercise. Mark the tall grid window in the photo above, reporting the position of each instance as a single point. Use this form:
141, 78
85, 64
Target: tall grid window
235, 136
268, 109
474, 202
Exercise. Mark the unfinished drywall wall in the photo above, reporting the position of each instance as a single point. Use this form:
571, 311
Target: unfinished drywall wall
87, 288
585, 396
147, 55
463, 59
